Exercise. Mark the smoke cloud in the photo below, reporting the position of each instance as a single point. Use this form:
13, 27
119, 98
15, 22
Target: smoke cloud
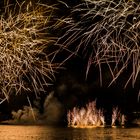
53, 109
52, 113
26, 115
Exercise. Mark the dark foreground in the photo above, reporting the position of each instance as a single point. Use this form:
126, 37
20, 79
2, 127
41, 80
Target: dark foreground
40, 132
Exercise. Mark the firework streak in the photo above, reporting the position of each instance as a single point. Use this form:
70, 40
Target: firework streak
23, 38
90, 117
108, 31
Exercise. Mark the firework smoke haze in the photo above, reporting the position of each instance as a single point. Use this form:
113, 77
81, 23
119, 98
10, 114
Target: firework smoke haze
24, 66
25, 115
53, 109
109, 33
52, 112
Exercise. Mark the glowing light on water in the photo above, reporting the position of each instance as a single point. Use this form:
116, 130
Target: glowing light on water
14, 132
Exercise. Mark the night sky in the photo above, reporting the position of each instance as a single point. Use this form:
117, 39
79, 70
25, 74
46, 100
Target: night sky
71, 87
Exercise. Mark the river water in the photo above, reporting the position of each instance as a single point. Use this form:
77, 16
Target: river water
21, 132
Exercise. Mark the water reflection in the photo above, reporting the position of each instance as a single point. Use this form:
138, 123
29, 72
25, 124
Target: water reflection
14, 132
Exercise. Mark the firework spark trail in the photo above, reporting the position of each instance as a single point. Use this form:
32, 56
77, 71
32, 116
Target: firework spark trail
84, 117
112, 30
34, 117
24, 66
90, 116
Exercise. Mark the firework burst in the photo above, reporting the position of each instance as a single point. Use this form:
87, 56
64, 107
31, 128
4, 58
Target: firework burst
86, 117
90, 117
111, 31
24, 65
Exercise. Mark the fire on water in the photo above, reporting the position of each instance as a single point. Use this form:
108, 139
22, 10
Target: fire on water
90, 117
